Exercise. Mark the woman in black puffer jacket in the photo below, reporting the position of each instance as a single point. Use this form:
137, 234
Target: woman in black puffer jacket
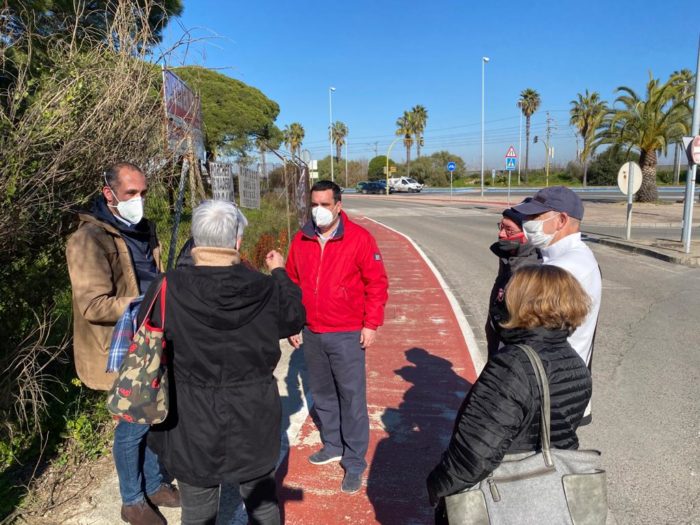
501, 413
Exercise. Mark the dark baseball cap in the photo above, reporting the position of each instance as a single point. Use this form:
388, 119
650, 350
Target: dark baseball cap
515, 215
554, 198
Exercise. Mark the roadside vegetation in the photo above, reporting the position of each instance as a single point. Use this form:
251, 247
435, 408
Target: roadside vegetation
78, 92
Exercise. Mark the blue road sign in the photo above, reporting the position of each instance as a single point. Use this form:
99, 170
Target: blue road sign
451, 166
511, 162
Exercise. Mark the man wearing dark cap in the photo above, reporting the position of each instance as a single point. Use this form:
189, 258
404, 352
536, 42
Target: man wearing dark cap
553, 226
513, 251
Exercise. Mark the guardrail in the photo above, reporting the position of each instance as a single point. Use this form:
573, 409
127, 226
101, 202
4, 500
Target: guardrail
529, 190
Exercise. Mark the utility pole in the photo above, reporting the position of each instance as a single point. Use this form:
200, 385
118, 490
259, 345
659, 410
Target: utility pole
547, 146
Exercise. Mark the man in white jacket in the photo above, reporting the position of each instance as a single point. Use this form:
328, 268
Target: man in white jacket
553, 224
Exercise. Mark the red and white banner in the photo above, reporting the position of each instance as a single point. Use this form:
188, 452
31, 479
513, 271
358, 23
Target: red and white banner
183, 111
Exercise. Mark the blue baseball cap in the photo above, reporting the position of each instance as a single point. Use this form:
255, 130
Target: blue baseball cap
554, 198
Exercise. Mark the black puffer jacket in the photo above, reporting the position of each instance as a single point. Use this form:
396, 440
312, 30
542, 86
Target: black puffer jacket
501, 413
223, 325
508, 262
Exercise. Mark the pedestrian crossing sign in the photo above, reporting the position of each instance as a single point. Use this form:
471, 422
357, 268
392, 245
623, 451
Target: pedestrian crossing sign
511, 163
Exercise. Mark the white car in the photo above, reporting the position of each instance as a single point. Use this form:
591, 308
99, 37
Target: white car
405, 184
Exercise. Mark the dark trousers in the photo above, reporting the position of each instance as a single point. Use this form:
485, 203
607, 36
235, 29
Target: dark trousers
200, 505
336, 368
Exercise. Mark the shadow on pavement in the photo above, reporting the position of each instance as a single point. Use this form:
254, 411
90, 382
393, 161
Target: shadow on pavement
291, 404
419, 430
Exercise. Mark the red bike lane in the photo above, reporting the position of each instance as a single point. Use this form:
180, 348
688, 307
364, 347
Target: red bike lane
418, 372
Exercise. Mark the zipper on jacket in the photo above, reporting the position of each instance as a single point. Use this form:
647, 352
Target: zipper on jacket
320, 263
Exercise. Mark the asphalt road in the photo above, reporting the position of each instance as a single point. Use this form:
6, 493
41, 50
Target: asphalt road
597, 193
646, 367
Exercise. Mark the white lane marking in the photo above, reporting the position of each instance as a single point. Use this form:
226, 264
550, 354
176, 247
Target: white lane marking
477, 360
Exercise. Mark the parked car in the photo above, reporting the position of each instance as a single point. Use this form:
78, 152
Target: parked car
360, 186
405, 184
374, 187
378, 186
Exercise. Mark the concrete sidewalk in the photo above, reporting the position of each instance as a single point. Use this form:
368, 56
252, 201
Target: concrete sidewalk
656, 228
417, 374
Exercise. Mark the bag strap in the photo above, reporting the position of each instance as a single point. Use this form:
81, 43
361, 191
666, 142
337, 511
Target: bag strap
162, 292
545, 402
159, 293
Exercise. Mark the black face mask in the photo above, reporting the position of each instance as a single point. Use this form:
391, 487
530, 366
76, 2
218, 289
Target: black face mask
509, 245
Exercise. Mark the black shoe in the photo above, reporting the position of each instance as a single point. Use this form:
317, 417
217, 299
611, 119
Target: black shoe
322, 457
351, 483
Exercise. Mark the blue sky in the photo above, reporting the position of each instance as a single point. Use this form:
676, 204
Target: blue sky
383, 57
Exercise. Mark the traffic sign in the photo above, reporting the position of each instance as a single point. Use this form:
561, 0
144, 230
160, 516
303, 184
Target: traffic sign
692, 149
451, 166
510, 154
511, 163
627, 169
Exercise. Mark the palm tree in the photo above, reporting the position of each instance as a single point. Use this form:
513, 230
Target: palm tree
587, 113
528, 103
420, 115
648, 125
686, 81
339, 131
293, 137
266, 139
406, 126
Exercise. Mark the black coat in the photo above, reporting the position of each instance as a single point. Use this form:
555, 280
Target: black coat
223, 326
508, 262
501, 413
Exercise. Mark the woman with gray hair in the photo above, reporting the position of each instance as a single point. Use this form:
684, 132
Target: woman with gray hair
223, 326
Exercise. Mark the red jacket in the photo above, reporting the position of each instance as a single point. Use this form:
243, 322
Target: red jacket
344, 286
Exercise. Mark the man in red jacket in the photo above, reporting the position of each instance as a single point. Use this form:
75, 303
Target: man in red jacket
344, 289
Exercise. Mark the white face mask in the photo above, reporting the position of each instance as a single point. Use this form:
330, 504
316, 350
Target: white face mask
322, 216
534, 233
131, 210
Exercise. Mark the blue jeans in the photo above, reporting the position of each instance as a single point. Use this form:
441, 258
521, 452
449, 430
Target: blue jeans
137, 465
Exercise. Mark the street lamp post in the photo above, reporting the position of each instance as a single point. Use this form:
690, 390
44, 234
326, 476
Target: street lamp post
483, 64
387, 162
330, 128
520, 143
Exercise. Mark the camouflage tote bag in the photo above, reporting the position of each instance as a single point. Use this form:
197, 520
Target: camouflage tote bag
552, 486
140, 392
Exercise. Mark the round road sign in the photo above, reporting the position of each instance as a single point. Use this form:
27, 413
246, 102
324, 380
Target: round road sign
695, 150
451, 166
622, 180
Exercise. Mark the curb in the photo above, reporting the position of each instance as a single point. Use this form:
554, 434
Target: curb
684, 260
649, 225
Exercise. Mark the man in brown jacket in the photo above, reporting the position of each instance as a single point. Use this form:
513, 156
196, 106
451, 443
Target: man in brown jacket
112, 259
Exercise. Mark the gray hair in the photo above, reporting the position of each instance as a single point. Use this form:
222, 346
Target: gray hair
217, 224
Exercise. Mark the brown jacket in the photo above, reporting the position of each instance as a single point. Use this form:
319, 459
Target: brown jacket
104, 282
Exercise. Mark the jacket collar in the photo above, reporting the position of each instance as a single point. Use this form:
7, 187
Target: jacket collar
563, 245
309, 229
89, 218
213, 256
537, 335
524, 250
